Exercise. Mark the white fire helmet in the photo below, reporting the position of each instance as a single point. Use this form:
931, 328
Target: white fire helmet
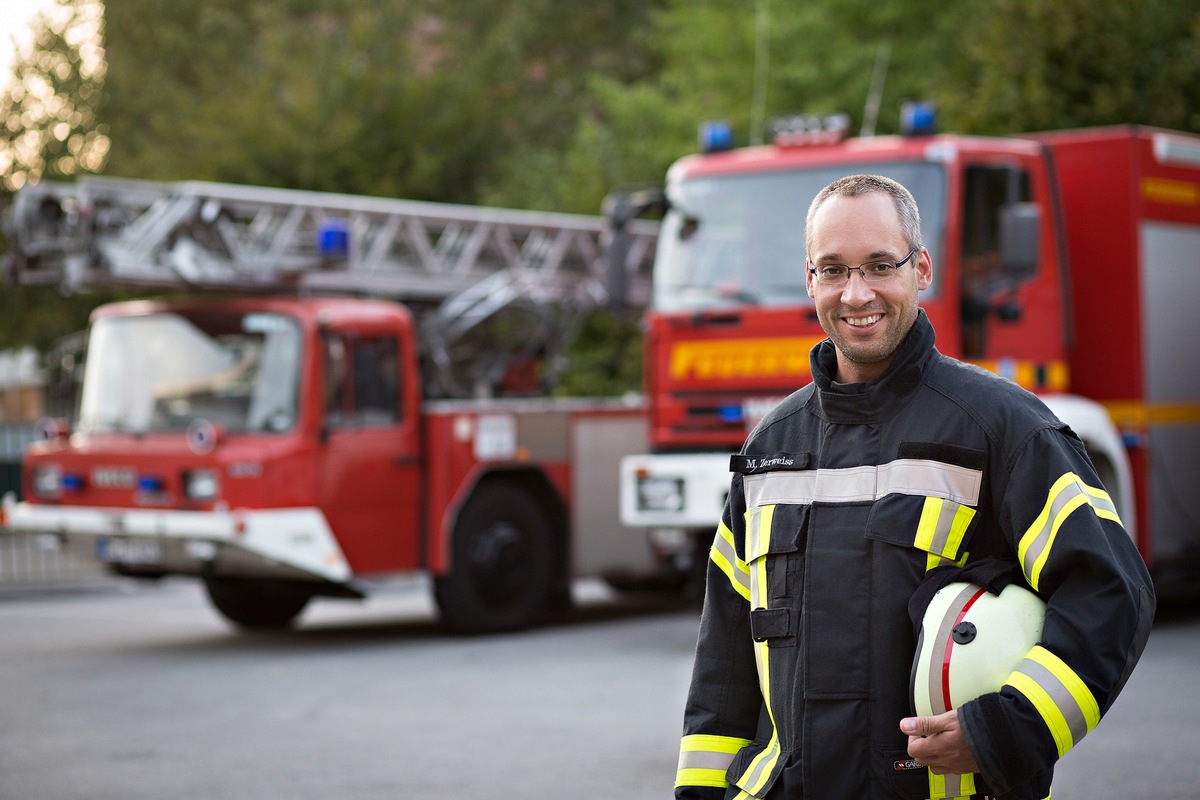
970, 642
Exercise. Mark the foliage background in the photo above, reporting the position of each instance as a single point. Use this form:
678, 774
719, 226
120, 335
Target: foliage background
541, 104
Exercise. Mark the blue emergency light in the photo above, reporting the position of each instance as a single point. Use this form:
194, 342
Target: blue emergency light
150, 484
333, 238
731, 414
918, 118
715, 136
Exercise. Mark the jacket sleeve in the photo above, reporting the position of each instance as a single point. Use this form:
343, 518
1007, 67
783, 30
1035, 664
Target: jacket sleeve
724, 700
1075, 553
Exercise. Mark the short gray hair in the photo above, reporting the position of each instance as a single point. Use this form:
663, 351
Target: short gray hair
857, 185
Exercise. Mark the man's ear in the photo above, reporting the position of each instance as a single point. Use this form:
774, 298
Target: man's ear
924, 267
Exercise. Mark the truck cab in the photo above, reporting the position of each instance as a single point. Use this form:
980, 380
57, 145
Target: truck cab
730, 324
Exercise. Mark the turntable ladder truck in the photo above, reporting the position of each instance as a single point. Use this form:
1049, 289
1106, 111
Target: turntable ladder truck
339, 390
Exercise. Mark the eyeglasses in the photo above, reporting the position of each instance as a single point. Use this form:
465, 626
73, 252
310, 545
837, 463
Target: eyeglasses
875, 272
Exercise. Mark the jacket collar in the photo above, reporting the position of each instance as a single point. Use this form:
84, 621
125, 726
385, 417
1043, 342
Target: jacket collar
878, 399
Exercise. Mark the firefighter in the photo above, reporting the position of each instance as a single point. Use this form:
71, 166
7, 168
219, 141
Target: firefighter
893, 462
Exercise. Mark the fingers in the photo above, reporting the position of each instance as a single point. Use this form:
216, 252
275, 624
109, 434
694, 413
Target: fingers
928, 726
919, 726
937, 742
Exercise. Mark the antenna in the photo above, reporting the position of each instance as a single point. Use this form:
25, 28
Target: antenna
762, 63
871, 109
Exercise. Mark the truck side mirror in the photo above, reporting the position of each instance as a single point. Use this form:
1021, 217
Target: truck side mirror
1020, 239
621, 208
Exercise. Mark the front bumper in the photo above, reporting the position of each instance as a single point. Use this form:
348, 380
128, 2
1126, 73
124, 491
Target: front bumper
294, 543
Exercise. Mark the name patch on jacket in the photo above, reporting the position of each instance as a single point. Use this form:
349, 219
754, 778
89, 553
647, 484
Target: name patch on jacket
749, 465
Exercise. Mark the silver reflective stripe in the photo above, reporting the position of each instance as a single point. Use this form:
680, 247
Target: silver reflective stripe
760, 768
725, 557
1068, 706
1039, 536
940, 540
954, 786
758, 541
942, 527
908, 476
705, 759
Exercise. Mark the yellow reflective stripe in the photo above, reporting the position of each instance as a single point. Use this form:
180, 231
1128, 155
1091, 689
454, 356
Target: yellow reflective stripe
704, 759
758, 591
942, 527
933, 560
927, 527
1036, 376
1059, 695
1133, 416
1067, 494
951, 786
762, 766
724, 555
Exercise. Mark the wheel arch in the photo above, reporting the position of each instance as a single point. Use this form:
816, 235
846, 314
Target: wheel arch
538, 486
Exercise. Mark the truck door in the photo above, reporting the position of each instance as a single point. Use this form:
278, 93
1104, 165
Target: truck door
369, 467
1012, 295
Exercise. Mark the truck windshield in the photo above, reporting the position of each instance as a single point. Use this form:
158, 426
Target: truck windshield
739, 239
158, 372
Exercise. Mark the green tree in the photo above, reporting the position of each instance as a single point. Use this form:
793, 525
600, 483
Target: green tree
744, 61
552, 105
51, 125
40, 317
605, 359
52, 131
1027, 65
295, 94
425, 100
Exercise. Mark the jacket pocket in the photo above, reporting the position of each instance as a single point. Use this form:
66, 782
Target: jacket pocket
939, 527
774, 554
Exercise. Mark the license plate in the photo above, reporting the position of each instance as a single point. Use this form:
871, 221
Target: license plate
129, 551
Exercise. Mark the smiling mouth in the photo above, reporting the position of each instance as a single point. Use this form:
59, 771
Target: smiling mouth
862, 322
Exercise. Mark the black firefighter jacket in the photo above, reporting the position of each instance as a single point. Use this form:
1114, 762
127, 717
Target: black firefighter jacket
842, 499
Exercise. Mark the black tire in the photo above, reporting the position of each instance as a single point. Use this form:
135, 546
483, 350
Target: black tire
502, 563
257, 604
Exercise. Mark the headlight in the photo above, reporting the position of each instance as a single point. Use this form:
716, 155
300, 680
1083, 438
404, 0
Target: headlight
659, 494
46, 481
201, 484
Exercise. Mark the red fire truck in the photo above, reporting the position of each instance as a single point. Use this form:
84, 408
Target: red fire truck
1064, 260
292, 443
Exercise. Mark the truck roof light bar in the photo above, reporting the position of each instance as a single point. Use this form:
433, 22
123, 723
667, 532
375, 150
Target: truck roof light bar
805, 130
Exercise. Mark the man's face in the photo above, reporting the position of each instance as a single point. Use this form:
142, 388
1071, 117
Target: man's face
866, 321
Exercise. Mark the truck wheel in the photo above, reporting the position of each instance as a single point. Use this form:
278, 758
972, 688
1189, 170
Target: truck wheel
501, 570
258, 605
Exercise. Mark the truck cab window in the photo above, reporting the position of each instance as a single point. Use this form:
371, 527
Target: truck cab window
157, 372
362, 381
987, 190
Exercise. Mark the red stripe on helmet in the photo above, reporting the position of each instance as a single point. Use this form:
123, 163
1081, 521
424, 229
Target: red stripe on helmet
950, 648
